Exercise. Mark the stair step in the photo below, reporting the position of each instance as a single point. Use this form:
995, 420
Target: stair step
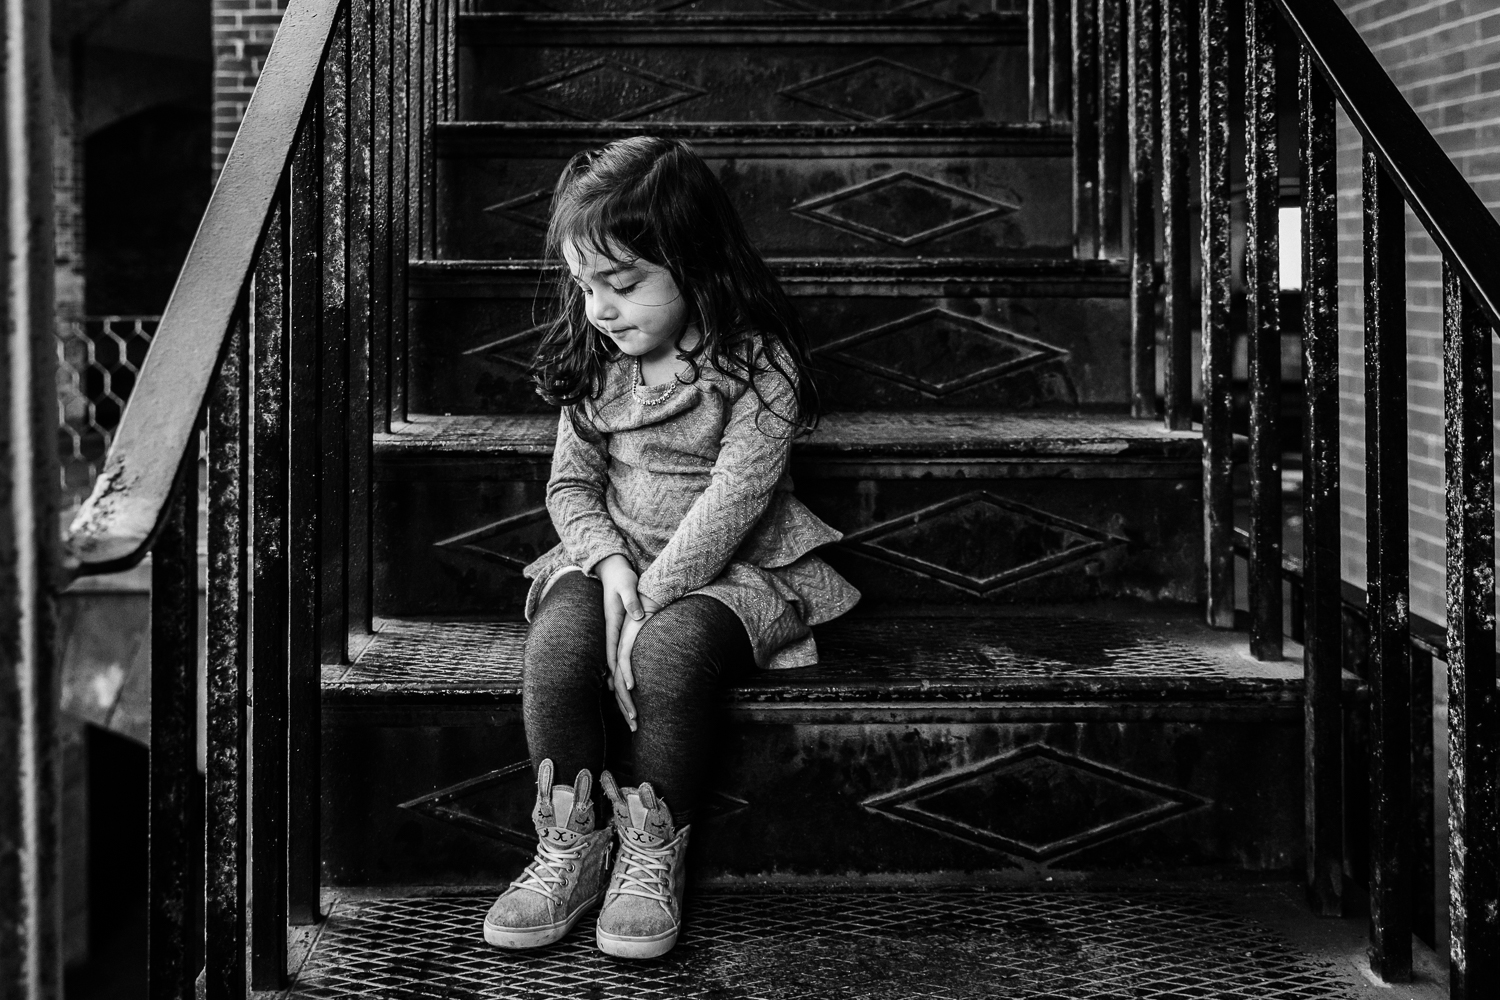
752, 140
960, 195
1143, 656
943, 443
745, 67
1185, 940
887, 277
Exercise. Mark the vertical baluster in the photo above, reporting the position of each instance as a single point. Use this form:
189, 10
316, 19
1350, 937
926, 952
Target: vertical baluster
1262, 292
1387, 571
1111, 169
1176, 154
268, 614
174, 713
1038, 58
304, 715
1321, 574
227, 796
359, 426
382, 154
415, 140
1142, 108
400, 152
1086, 127
1423, 833
1473, 710
428, 82
335, 333
1060, 51
1217, 352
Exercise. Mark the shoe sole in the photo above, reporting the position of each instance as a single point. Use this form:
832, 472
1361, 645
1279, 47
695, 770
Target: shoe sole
520, 938
654, 946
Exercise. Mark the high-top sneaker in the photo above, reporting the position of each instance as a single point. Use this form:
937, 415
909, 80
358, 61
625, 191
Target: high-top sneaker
565, 879
643, 909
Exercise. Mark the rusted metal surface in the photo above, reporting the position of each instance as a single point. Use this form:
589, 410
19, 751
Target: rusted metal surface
31, 905
334, 365
227, 793
303, 349
1177, 104
401, 194
1263, 326
1217, 360
1450, 210
173, 952
1142, 124
1113, 59
1086, 137
268, 613
381, 153
1321, 571
115, 526
1473, 708
1423, 806
361, 292
1387, 573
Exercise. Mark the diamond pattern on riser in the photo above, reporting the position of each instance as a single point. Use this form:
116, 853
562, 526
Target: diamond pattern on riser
946, 945
1092, 786
813, 204
717, 77
447, 544
873, 351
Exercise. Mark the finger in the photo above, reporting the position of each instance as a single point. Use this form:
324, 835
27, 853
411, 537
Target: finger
613, 617
627, 645
633, 603
627, 705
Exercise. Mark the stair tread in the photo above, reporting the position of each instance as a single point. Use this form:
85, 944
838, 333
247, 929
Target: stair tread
1151, 653
1134, 939
929, 433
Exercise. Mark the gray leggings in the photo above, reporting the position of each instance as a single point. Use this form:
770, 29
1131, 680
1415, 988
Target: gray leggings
683, 659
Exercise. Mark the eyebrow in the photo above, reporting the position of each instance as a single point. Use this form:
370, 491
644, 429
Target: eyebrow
609, 273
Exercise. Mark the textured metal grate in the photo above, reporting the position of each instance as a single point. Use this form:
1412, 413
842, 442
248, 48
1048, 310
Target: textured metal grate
949, 944
480, 654
98, 359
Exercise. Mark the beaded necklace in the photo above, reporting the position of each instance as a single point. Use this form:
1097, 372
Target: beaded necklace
640, 389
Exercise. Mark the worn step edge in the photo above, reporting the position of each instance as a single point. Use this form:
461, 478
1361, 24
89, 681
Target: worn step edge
461, 662
620, 30
753, 140
1074, 437
1041, 277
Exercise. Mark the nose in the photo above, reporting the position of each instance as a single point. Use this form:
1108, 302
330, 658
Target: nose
601, 309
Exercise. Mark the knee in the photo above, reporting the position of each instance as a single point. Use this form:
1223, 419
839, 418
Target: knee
670, 652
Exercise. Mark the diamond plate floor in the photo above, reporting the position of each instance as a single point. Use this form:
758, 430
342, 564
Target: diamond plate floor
851, 945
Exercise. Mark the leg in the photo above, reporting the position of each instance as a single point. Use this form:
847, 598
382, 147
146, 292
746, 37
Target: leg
683, 660
563, 678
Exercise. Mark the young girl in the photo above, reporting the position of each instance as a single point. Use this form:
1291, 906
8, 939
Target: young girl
685, 562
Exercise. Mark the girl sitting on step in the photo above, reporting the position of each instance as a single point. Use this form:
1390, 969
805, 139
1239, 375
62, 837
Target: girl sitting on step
685, 562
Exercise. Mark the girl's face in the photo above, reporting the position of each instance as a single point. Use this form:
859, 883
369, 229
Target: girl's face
637, 304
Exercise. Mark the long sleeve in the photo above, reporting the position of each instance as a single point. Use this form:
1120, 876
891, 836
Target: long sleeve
575, 496
752, 460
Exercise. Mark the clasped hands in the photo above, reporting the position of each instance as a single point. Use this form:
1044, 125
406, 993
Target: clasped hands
625, 611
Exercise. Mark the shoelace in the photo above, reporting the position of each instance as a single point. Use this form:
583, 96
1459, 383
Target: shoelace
548, 870
645, 871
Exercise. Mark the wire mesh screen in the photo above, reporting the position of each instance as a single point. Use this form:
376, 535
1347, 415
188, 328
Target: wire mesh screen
99, 358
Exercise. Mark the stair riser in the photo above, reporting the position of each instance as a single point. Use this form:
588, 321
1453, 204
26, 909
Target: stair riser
815, 204
707, 75
928, 7
906, 349
1100, 788
453, 541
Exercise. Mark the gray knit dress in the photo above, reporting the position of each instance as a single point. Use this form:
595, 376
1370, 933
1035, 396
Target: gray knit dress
694, 491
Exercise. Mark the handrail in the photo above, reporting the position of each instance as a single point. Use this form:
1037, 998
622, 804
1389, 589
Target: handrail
116, 524
1458, 221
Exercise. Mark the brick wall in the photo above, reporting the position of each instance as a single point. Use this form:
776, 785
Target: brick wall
1445, 57
242, 33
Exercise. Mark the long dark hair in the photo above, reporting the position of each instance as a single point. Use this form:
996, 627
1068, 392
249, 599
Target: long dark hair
652, 199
